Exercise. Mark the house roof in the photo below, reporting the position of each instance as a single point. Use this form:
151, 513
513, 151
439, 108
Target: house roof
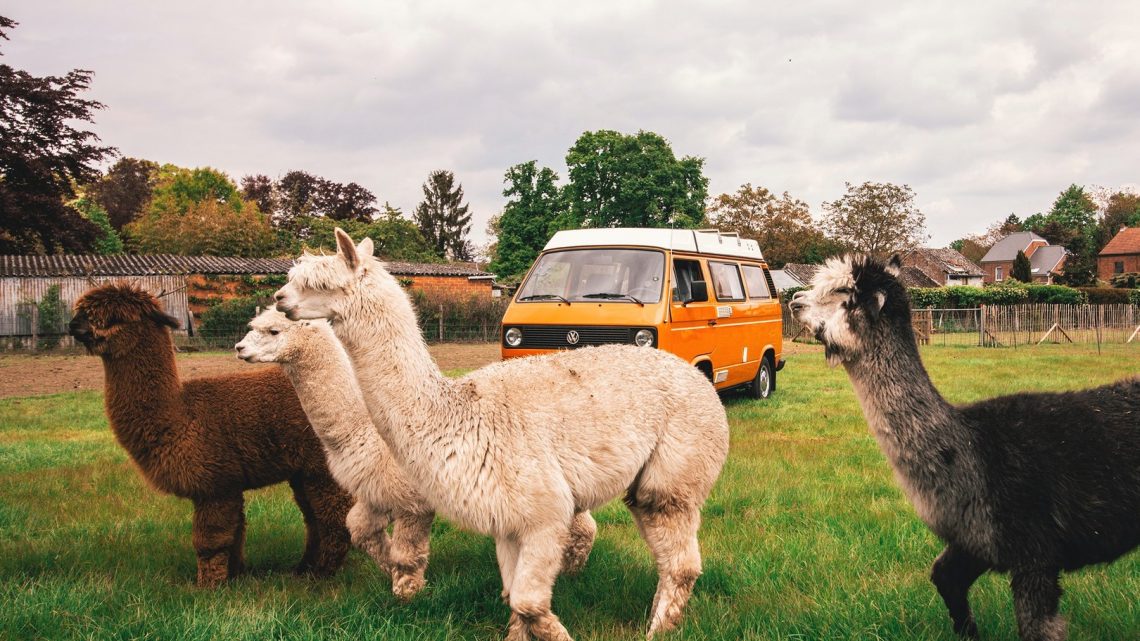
1046, 259
1126, 242
950, 261
911, 276
165, 264
784, 280
802, 272
1006, 249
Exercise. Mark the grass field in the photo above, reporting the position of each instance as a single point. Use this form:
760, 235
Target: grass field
806, 536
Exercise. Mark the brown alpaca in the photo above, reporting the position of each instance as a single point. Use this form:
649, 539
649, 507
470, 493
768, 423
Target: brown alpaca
209, 439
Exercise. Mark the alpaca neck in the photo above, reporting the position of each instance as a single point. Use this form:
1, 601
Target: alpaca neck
322, 376
144, 399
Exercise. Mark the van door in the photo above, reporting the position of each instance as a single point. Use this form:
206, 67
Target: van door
737, 355
688, 335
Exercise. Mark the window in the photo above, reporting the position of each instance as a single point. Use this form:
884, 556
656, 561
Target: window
726, 281
1118, 267
757, 286
596, 274
685, 272
998, 276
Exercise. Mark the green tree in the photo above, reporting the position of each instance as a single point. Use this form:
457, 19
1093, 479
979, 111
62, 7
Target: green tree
1121, 210
618, 180
782, 225
1022, 270
108, 242
442, 217
125, 190
42, 157
876, 218
534, 206
395, 237
1071, 222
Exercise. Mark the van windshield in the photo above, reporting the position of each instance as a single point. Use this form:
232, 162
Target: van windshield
619, 275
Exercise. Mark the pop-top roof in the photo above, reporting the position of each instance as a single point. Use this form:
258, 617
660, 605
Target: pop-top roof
704, 241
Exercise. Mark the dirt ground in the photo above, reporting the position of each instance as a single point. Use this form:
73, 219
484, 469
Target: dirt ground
32, 375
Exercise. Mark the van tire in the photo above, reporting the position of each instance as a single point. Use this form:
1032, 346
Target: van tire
762, 386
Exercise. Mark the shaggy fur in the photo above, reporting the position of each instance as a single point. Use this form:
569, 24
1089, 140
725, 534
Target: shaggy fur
1030, 484
209, 439
321, 373
517, 448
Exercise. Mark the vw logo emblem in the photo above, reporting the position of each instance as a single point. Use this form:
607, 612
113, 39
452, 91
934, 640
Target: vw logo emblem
572, 337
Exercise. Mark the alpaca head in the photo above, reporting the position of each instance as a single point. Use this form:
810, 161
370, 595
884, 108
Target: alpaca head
320, 286
851, 302
273, 338
112, 320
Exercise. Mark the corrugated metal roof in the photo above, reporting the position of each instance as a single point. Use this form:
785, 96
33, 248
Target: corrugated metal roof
159, 264
1007, 248
802, 272
1124, 243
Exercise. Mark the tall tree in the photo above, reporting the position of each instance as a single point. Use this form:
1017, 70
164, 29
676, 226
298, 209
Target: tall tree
346, 202
1121, 210
42, 157
876, 218
125, 190
296, 196
442, 217
619, 180
1071, 222
782, 225
535, 204
259, 189
108, 241
1022, 269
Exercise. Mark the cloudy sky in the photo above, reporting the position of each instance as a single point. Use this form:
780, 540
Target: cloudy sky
983, 108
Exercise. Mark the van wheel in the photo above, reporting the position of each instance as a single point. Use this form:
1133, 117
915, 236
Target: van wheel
761, 387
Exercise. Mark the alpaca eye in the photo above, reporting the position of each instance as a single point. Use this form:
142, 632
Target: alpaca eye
846, 291
274, 332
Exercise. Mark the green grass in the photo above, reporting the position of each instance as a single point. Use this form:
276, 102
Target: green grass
806, 536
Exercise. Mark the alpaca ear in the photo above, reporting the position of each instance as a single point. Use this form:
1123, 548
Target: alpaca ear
365, 249
894, 265
162, 318
346, 249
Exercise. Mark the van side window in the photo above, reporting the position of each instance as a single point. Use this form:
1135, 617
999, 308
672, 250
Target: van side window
726, 281
684, 273
757, 286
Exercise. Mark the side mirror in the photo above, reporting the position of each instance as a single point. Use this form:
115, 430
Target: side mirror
700, 292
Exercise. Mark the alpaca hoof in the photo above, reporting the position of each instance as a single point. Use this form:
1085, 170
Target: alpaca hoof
967, 631
406, 586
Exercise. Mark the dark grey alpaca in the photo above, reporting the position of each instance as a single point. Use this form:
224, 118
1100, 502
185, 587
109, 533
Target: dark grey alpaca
1029, 484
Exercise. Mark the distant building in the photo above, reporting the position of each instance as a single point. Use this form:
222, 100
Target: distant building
800, 275
1121, 255
1045, 261
944, 266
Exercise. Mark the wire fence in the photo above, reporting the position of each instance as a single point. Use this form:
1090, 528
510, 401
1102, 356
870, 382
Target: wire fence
1014, 325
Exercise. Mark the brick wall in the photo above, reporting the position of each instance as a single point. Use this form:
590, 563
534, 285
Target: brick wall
1106, 265
991, 268
456, 285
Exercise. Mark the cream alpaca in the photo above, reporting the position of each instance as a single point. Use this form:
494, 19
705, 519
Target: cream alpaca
321, 374
516, 449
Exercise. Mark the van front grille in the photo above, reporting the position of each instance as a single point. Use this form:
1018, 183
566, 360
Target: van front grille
557, 336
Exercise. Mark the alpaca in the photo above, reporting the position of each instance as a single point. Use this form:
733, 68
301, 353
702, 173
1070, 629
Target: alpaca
209, 439
320, 371
516, 448
1030, 484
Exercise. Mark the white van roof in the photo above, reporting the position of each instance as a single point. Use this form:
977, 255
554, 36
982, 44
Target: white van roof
701, 241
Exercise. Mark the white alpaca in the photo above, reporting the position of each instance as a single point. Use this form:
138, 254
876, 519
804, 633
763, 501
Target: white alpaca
321, 373
517, 448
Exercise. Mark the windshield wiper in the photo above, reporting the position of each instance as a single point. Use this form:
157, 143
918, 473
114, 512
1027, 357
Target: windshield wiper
545, 297
613, 296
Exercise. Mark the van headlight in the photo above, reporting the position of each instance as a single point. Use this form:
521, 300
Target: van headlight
513, 337
643, 338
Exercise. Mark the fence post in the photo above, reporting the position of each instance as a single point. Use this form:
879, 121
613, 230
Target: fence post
441, 322
35, 327
982, 326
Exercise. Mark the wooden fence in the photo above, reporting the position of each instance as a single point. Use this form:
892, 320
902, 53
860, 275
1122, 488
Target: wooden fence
1014, 325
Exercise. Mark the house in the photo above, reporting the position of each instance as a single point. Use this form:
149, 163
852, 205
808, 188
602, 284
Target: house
944, 266
189, 283
800, 275
1121, 255
1045, 261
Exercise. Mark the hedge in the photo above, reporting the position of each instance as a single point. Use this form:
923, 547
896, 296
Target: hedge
1127, 280
227, 319
1134, 297
1106, 295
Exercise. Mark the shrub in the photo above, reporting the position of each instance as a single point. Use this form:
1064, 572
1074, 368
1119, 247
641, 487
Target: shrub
786, 295
921, 297
465, 317
224, 321
1056, 295
1105, 295
1134, 297
1127, 280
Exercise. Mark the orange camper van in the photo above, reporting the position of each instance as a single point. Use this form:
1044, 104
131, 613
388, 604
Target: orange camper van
703, 295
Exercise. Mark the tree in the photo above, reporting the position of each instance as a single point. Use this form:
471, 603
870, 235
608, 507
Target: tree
345, 202
125, 190
975, 246
259, 188
42, 157
395, 237
1022, 270
108, 242
1071, 222
633, 181
529, 218
442, 219
296, 196
1121, 210
876, 218
782, 225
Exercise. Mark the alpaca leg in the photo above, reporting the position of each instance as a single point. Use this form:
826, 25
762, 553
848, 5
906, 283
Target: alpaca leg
325, 507
367, 525
217, 530
954, 571
539, 560
411, 540
507, 554
671, 534
1036, 597
237, 550
583, 529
